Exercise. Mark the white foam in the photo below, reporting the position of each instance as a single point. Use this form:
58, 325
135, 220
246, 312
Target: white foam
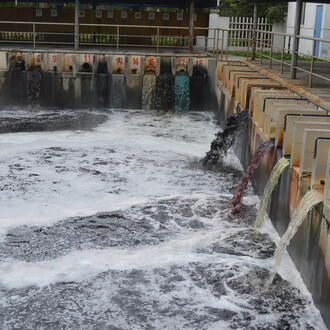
151, 155
81, 265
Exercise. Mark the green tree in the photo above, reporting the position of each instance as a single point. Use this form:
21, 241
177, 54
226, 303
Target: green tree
274, 11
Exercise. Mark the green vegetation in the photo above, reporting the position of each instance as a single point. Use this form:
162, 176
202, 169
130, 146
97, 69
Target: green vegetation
266, 54
274, 11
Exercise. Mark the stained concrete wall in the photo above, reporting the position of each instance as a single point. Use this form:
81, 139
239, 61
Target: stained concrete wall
85, 79
307, 249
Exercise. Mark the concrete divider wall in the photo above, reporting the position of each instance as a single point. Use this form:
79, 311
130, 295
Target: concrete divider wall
310, 248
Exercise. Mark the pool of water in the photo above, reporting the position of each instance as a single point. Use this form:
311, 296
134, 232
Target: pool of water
120, 227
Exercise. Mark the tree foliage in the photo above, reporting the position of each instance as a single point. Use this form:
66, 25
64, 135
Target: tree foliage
274, 11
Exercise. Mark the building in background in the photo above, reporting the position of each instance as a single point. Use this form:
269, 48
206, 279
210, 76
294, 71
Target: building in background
315, 22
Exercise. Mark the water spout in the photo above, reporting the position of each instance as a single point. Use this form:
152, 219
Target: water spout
255, 161
149, 91
310, 199
199, 88
34, 76
271, 184
165, 87
226, 138
118, 91
182, 91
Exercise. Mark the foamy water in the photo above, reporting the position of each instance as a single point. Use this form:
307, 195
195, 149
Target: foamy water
120, 228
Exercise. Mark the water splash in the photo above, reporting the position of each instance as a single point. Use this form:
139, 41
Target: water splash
309, 200
102, 81
149, 91
165, 92
226, 138
118, 91
165, 87
255, 161
182, 91
34, 76
271, 184
199, 88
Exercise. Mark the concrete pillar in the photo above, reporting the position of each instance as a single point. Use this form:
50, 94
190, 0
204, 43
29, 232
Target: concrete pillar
254, 33
191, 25
296, 32
76, 25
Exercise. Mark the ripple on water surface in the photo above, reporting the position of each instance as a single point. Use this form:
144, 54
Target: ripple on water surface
119, 228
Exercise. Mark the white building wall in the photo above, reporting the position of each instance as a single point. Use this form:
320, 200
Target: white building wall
325, 47
307, 29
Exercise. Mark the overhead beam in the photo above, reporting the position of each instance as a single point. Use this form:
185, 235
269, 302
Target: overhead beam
295, 47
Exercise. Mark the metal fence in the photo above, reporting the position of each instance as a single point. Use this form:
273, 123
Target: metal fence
241, 28
275, 47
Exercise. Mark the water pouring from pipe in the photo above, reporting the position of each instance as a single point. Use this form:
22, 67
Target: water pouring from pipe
165, 87
182, 91
226, 138
306, 204
34, 76
280, 166
118, 91
259, 154
149, 91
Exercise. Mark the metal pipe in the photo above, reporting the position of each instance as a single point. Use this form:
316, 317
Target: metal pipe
271, 50
310, 82
282, 55
157, 42
191, 25
254, 33
294, 59
117, 41
222, 43
34, 35
76, 25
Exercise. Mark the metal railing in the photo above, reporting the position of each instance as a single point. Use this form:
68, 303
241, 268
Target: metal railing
307, 60
40, 33
217, 42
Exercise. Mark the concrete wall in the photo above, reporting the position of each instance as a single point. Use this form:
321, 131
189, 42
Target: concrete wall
309, 249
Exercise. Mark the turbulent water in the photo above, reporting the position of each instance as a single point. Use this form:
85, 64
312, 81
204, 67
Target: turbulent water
149, 91
34, 77
165, 92
120, 228
199, 88
182, 91
225, 139
306, 204
118, 91
239, 192
279, 167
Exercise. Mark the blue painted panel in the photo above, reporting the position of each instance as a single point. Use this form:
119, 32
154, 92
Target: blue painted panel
317, 28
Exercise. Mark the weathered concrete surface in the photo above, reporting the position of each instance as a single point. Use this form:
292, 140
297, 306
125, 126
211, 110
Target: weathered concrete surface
307, 248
